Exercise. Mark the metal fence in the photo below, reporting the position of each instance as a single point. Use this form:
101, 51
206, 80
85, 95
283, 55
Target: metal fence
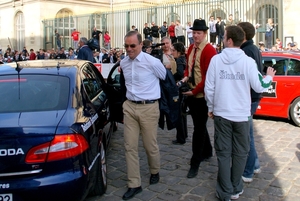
119, 22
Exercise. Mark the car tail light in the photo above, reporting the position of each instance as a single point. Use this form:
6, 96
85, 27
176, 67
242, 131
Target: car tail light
61, 147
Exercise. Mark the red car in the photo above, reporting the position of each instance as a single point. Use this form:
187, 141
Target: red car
283, 98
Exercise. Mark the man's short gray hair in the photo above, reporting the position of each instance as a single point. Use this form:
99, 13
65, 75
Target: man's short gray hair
84, 40
165, 38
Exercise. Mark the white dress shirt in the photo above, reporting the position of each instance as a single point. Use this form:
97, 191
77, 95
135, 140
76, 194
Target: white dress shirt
142, 76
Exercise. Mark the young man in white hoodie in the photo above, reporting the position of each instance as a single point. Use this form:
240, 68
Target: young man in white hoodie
229, 78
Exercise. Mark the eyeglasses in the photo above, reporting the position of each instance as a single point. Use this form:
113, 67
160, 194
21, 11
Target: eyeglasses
131, 45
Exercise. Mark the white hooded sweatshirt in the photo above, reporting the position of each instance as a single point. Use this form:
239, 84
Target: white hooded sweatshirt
229, 78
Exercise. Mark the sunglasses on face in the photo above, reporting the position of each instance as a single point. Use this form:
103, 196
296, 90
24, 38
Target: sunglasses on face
131, 45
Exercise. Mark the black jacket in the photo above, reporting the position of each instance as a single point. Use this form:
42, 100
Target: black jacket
169, 102
252, 51
106, 59
181, 64
154, 31
220, 28
147, 32
61, 56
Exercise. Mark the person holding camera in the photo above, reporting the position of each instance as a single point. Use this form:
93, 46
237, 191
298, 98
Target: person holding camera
198, 58
178, 52
177, 71
147, 46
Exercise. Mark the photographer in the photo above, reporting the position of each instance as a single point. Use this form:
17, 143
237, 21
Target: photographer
178, 52
177, 71
147, 46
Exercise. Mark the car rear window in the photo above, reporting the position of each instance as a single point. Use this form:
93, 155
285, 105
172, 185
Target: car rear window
29, 93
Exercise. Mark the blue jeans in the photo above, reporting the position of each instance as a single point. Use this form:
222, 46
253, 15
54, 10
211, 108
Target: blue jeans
191, 40
220, 39
58, 43
252, 160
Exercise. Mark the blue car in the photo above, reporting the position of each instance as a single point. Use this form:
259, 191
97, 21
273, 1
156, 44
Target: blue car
55, 127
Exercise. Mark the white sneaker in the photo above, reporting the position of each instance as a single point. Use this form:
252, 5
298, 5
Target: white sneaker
236, 196
247, 180
219, 197
256, 171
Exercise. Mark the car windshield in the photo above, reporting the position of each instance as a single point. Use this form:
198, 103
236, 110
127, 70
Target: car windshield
29, 93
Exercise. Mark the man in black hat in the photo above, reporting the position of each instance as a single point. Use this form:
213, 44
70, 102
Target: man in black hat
198, 59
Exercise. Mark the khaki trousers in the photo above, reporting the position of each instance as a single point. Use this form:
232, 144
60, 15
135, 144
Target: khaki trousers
140, 118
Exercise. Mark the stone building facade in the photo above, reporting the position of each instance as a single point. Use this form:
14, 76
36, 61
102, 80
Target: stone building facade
31, 23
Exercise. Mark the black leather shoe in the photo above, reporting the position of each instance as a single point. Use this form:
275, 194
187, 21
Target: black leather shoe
131, 192
154, 178
192, 172
207, 157
177, 143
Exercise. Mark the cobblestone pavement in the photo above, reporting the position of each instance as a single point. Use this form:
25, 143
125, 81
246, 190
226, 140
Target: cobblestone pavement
277, 144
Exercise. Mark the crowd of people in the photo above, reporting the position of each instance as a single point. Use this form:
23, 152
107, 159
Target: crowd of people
103, 56
208, 74
175, 31
290, 46
13, 55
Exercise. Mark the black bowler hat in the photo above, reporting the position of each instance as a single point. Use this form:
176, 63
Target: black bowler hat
199, 25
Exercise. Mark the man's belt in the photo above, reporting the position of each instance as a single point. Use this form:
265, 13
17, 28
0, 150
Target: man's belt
144, 101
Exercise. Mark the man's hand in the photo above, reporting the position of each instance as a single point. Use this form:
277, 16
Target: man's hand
210, 115
271, 71
188, 93
168, 66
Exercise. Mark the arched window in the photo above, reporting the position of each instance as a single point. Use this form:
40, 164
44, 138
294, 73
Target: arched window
172, 17
97, 20
64, 24
219, 13
263, 13
19, 31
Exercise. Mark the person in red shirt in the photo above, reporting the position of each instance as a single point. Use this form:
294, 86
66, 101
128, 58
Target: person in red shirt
75, 38
32, 55
107, 40
171, 31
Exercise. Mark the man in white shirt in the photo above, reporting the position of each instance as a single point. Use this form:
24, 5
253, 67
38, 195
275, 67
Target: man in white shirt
179, 32
142, 73
212, 30
189, 33
103, 51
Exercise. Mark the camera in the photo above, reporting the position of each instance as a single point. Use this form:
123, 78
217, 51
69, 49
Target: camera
157, 53
183, 86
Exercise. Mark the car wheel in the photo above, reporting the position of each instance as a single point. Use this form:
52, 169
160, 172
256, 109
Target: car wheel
101, 180
295, 111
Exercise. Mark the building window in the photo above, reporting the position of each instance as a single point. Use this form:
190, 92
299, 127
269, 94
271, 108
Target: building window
19, 31
64, 24
265, 12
